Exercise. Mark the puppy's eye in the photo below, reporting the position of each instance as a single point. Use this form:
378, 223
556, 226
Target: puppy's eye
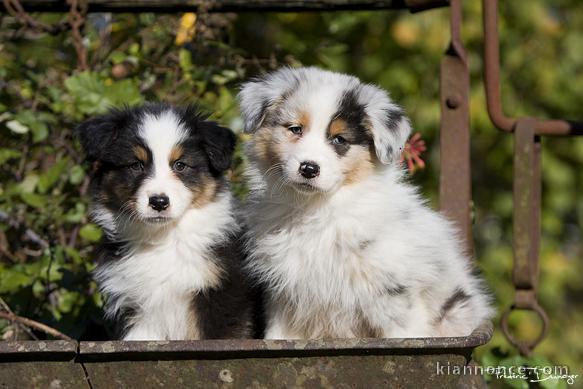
338, 140
179, 166
137, 166
296, 130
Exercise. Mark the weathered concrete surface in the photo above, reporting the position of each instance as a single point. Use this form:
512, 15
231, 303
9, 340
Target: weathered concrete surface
372, 371
116, 350
340, 363
40, 364
56, 349
42, 374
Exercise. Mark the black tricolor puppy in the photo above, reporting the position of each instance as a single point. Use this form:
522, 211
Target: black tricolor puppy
169, 265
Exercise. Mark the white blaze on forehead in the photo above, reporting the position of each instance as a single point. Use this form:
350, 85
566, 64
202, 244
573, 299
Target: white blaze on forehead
321, 94
161, 133
322, 106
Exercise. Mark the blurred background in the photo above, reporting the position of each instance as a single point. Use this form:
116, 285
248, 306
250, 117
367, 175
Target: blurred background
46, 239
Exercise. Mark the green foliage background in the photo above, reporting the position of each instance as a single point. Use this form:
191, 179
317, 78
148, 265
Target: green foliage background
46, 239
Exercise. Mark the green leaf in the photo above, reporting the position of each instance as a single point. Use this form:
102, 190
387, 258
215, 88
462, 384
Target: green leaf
224, 102
117, 57
124, 92
12, 280
77, 175
219, 79
75, 215
185, 60
94, 94
51, 266
74, 254
134, 49
4, 116
489, 359
90, 232
17, 127
28, 185
131, 59
34, 121
83, 82
68, 300
8, 154
33, 199
39, 132
87, 90
48, 179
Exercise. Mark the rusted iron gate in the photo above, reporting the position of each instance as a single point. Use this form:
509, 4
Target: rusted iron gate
527, 133
356, 362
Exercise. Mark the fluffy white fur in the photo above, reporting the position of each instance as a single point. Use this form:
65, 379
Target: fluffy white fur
161, 269
344, 256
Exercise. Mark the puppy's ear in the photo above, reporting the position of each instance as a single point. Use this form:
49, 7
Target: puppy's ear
254, 100
97, 133
218, 143
258, 96
389, 125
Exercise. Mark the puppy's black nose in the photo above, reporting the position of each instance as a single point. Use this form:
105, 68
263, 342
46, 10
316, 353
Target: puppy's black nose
159, 202
309, 169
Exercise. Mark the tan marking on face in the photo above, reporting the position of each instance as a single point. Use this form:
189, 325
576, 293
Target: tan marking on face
205, 193
266, 148
268, 143
337, 127
175, 153
303, 120
141, 153
359, 164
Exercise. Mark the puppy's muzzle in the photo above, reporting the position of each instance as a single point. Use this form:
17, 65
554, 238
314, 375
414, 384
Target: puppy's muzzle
309, 169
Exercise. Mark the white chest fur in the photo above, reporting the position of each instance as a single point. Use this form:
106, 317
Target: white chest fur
372, 255
160, 272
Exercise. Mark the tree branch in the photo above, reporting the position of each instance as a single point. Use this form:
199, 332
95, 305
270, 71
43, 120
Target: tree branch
34, 324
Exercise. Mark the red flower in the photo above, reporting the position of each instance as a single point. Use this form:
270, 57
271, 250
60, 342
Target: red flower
414, 147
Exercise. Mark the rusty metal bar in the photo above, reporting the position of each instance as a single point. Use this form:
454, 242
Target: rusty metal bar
455, 192
492, 83
173, 6
526, 223
526, 229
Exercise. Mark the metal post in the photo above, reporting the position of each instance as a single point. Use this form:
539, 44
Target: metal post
526, 231
455, 192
